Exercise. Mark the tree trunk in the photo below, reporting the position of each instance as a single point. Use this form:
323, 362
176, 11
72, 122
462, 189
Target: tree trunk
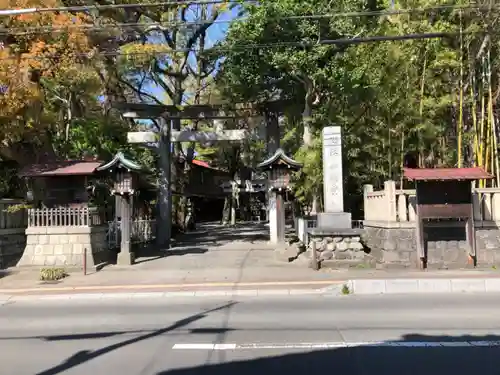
177, 169
307, 138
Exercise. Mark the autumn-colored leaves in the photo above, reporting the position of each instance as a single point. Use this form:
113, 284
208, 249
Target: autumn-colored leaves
36, 45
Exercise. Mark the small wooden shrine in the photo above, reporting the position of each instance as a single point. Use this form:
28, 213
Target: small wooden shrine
59, 184
63, 226
444, 194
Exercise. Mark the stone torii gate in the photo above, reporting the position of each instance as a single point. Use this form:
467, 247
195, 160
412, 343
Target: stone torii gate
161, 141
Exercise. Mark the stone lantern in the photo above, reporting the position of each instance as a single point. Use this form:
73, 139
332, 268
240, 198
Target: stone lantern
279, 168
125, 174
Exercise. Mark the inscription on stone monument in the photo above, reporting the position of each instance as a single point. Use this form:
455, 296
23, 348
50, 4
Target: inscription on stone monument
332, 169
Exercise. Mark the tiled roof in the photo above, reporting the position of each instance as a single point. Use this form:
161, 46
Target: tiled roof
201, 163
446, 174
62, 168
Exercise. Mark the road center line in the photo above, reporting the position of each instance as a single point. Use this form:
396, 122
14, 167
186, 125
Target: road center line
335, 345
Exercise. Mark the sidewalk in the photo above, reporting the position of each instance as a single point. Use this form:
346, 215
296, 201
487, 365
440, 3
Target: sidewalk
231, 260
268, 280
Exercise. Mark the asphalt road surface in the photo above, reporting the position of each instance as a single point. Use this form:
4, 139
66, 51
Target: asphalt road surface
349, 335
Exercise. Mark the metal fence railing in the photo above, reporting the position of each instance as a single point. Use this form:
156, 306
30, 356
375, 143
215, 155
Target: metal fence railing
143, 230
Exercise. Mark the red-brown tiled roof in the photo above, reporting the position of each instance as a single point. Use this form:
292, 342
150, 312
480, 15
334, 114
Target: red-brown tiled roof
62, 168
201, 163
446, 174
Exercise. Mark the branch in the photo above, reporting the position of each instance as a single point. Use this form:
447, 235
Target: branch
198, 33
139, 92
206, 74
164, 85
155, 123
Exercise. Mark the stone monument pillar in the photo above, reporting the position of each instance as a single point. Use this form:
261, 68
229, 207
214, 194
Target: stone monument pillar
333, 186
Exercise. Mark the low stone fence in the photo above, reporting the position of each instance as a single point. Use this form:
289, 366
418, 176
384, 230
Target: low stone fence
303, 226
61, 237
390, 230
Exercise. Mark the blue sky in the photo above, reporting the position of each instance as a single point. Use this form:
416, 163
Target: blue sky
215, 33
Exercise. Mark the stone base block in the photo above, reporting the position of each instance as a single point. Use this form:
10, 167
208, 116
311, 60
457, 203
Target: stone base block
12, 244
65, 246
338, 220
125, 258
445, 246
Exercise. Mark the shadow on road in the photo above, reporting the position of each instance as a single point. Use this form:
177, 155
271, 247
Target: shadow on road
86, 355
413, 358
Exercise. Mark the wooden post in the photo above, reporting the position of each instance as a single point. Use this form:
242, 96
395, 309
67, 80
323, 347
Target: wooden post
470, 233
84, 261
419, 235
471, 239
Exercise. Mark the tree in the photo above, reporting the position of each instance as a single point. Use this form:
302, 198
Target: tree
293, 72
389, 97
34, 63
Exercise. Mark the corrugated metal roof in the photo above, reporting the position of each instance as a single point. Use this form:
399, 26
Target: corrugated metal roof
446, 174
61, 168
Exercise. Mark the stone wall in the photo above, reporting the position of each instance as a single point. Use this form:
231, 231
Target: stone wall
395, 246
64, 246
12, 243
338, 250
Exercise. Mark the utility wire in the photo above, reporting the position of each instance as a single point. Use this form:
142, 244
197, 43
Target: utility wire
84, 8
243, 47
14, 12
89, 27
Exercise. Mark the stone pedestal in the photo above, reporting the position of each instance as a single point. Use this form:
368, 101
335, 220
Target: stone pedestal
338, 220
276, 218
64, 246
125, 258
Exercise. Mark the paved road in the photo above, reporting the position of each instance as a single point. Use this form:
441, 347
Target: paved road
272, 335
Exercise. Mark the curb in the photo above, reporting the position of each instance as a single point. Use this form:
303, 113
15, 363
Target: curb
355, 287
5, 298
413, 286
163, 287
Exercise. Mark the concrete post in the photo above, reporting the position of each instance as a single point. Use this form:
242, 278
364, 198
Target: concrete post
390, 196
125, 257
495, 206
276, 218
366, 204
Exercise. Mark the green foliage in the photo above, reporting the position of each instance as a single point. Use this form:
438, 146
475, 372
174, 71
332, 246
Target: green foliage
309, 180
345, 290
390, 98
13, 208
53, 274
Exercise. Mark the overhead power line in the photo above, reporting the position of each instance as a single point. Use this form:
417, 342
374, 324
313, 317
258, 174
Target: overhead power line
92, 27
84, 8
243, 47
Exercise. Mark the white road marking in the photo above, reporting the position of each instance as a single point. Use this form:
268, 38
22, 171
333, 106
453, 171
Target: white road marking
335, 345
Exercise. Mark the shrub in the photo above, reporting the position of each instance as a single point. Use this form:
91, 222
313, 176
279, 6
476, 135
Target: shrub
52, 274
